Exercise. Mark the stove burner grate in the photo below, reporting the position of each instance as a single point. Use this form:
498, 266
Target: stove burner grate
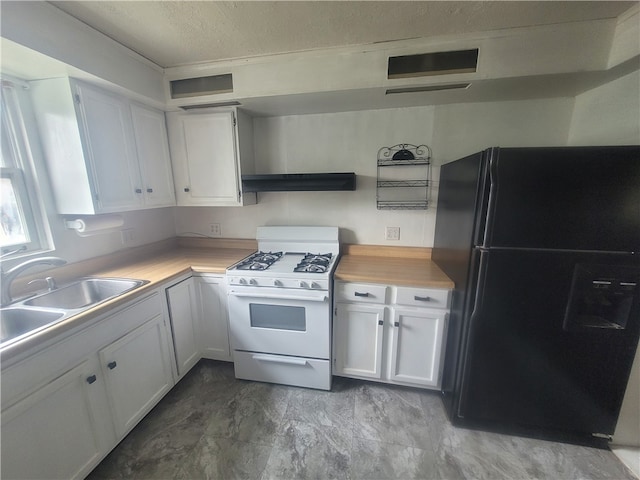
314, 263
259, 261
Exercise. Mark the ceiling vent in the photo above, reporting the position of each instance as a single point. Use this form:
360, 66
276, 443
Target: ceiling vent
195, 87
230, 103
438, 63
428, 88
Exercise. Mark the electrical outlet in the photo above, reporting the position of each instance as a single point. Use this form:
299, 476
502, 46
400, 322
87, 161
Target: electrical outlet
392, 233
214, 230
127, 236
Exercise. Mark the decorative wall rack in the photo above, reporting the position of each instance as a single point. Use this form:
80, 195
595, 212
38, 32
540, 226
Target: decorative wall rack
404, 177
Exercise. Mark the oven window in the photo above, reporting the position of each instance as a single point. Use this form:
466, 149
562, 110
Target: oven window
280, 317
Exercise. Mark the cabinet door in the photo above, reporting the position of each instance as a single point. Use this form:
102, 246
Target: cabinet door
417, 346
358, 333
110, 149
213, 318
204, 152
183, 311
137, 373
153, 155
53, 433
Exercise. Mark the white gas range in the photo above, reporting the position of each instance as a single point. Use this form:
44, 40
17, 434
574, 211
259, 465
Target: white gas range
280, 307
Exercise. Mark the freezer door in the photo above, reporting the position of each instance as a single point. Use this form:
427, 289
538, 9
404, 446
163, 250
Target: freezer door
575, 198
531, 361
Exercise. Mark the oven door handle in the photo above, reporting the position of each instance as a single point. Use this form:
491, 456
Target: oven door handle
287, 360
321, 298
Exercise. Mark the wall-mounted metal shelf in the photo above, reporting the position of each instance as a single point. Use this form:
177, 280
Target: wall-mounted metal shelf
404, 177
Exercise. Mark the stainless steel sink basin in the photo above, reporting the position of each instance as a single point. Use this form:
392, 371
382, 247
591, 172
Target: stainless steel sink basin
84, 293
15, 322
36, 313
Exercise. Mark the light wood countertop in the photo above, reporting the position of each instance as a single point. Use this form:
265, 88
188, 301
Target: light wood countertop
405, 266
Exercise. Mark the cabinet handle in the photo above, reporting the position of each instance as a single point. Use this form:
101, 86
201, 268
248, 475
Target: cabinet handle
149, 190
187, 189
112, 365
138, 190
422, 299
358, 294
91, 379
396, 324
380, 322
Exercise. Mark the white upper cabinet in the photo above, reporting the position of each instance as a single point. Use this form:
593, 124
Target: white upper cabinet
210, 150
104, 153
152, 146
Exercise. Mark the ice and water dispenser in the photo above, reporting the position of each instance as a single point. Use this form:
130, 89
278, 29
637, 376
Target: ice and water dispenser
602, 297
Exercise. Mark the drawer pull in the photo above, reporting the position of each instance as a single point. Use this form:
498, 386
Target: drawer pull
91, 379
286, 360
422, 299
380, 322
396, 324
112, 365
358, 294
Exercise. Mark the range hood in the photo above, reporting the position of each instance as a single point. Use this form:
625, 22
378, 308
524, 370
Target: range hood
299, 182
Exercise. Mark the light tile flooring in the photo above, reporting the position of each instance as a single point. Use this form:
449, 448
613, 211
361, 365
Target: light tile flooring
214, 426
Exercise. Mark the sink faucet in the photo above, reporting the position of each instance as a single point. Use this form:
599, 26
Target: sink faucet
11, 274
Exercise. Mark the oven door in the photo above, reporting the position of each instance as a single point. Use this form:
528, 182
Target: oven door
284, 322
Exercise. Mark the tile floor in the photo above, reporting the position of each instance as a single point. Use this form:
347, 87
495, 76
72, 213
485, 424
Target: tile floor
214, 426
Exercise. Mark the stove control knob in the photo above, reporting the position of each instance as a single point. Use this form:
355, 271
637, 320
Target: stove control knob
242, 281
303, 284
277, 283
315, 285
253, 281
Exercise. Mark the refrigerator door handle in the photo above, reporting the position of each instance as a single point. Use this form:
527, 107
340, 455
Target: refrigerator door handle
473, 319
493, 192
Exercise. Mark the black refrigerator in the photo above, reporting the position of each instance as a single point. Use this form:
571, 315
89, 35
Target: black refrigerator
543, 245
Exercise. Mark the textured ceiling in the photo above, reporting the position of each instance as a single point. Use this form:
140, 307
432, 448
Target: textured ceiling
171, 33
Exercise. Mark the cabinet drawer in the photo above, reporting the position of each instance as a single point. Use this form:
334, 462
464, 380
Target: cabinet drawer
423, 297
360, 292
301, 372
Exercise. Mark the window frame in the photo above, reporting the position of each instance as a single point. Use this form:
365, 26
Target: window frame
22, 172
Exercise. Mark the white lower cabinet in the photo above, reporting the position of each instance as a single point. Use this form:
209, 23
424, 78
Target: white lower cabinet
65, 407
137, 372
379, 334
183, 312
53, 433
358, 333
199, 320
214, 321
416, 346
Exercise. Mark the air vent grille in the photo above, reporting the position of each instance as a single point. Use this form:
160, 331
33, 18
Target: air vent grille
428, 88
438, 63
230, 103
194, 87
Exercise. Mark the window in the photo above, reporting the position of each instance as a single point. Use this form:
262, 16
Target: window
22, 226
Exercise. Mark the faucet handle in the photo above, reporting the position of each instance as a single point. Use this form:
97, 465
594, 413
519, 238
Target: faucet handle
51, 282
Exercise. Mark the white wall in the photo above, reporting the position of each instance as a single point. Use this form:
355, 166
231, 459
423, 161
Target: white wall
608, 115
343, 142
46, 29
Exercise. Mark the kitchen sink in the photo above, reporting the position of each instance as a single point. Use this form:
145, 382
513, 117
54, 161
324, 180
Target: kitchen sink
84, 293
15, 322
34, 314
